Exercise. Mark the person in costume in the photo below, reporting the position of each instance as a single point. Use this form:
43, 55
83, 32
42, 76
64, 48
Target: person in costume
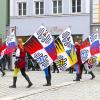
20, 64
79, 66
79, 63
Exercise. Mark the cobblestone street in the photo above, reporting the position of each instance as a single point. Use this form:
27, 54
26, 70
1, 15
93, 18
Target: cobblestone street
63, 88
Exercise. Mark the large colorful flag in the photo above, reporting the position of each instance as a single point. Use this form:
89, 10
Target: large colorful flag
90, 47
65, 50
94, 44
41, 47
85, 50
10, 44
2, 50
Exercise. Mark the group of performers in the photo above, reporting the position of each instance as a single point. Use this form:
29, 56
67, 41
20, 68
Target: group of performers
20, 66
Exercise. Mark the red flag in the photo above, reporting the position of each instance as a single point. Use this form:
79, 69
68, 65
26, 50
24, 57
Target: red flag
3, 47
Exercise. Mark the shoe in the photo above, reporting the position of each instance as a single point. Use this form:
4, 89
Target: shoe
47, 84
77, 77
92, 78
48, 79
76, 80
3, 74
14, 83
12, 86
29, 85
29, 82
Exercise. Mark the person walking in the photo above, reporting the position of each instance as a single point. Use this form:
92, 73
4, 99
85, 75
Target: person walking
79, 63
47, 76
20, 64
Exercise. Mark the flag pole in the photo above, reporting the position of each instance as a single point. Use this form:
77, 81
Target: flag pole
13, 54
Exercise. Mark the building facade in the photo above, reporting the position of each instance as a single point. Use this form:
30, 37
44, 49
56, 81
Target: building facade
4, 17
56, 15
95, 15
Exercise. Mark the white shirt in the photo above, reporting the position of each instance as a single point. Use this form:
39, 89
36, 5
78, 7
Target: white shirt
17, 52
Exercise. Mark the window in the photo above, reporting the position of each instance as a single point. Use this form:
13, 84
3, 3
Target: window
22, 9
73, 6
57, 6
39, 8
76, 6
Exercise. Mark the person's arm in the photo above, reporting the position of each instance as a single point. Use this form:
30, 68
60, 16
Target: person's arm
18, 52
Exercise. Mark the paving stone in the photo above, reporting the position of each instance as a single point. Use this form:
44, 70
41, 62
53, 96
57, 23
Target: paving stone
63, 88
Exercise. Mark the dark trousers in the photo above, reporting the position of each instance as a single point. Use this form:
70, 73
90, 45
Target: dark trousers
23, 72
71, 70
1, 68
47, 72
81, 70
48, 75
55, 68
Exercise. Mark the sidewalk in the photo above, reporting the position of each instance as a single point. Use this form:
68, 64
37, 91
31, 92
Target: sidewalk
63, 88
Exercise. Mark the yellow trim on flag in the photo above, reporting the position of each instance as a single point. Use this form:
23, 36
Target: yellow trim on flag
59, 48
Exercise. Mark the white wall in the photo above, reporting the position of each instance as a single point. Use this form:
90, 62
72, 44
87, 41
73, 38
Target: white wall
66, 6
48, 7
56, 25
87, 6
11, 7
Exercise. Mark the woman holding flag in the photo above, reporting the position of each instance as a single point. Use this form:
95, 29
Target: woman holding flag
20, 64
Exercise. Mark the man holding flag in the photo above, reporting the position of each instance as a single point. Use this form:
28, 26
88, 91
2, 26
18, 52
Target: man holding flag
20, 64
42, 48
79, 63
48, 76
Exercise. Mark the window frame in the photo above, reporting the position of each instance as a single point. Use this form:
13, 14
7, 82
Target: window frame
40, 8
57, 7
75, 7
22, 9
